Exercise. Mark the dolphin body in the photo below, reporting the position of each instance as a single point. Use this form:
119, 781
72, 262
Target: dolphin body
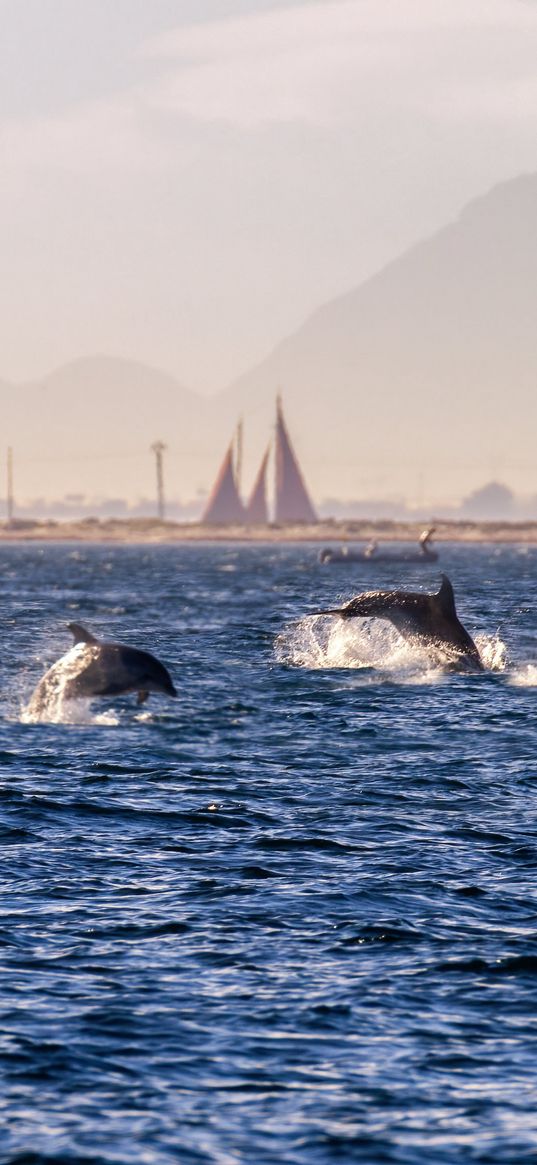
428, 620
95, 668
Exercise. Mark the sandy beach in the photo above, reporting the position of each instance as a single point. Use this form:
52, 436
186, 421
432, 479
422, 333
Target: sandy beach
149, 530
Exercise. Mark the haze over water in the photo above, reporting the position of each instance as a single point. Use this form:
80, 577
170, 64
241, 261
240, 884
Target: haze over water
289, 917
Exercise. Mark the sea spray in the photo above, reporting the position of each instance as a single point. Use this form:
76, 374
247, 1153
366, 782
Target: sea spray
318, 643
50, 702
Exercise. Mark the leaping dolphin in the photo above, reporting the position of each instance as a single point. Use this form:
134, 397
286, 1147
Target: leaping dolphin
429, 620
95, 668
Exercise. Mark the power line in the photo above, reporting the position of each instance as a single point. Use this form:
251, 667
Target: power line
75, 459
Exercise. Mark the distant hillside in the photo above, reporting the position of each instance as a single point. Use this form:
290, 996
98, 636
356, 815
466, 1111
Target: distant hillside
428, 368
421, 382
87, 428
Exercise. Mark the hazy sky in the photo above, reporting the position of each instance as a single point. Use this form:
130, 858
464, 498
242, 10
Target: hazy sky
183, 181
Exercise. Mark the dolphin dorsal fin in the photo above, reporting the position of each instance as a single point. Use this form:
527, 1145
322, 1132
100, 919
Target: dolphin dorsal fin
80, 634
446, 599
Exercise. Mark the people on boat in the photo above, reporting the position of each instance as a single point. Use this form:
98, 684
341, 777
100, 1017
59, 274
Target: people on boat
424, 553
425, 541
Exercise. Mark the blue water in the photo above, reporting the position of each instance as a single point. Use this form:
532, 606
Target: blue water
291, 916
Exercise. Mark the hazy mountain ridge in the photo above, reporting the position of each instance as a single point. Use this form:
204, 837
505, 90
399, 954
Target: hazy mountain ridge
418, 345
368, 381
88, 426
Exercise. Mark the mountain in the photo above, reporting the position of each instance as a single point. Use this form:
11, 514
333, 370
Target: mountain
420, 382
426, 371
87, 429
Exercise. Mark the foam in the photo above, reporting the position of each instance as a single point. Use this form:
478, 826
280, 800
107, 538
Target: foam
524, 677
49, 703
318, 643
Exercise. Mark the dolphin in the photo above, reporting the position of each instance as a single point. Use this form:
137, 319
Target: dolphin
95, 668
428, 620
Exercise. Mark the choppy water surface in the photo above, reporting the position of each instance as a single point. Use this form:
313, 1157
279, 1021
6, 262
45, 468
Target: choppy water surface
291, 916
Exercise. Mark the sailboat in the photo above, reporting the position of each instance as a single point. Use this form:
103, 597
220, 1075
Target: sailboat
224, 507
256, 510
291, 499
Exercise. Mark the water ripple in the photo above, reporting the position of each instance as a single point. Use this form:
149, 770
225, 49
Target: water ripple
289, 917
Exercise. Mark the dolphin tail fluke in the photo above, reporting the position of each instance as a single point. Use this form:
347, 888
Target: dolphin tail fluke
81, 634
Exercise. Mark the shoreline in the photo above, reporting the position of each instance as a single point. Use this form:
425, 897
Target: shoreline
148, 530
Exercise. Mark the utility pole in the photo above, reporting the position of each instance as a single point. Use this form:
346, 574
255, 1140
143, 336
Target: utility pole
10, 498
158, 449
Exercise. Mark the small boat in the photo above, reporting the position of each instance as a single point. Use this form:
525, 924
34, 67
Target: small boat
371, 553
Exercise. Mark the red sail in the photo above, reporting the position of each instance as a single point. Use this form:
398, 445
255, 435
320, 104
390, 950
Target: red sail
257, 508
224, 506
292, 499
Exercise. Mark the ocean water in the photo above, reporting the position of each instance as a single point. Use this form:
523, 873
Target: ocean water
291, 916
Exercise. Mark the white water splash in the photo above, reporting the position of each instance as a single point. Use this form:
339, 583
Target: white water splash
524, 677
317, 643
493, 652
50, 702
